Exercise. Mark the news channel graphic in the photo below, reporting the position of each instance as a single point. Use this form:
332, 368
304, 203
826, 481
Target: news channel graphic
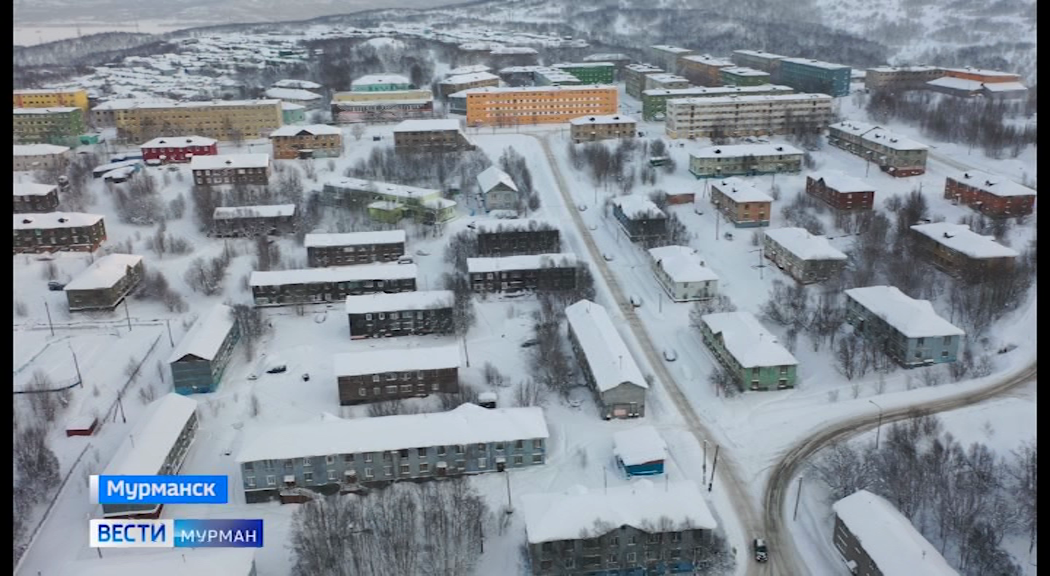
138, 490
177, 533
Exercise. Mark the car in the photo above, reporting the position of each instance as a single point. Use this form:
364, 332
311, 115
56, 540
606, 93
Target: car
760, 549
670, 355
277, 369
609, 257
422, 252
405, 260
253, 376
581, 207
55, 286
306, 377
530, 343
636, 300
592, 227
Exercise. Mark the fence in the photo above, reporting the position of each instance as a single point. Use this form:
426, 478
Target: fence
131, 378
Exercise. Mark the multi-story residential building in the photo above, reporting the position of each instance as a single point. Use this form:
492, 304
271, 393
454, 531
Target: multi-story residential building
743, 76
807, 75
641, 219
759, 60
33, 198
250, 221
961, 252
459, 82
634, 78
590, 72
640, 451
979, 75
60, 126
741, 202
894, 154
396, 200
313, 141
403, 314
803, 256
744, 160
641, 528
104, 283
104, 114
526, 75
178, 149
231, 169
748, 115
51, 98
332, 455
668, 56
654, 102
616, 59
227, 120
156, 446
608, 366
434, 135
392, 374
548, 76
594, 128
381, 106
201, 357
748, 351
323, 250
41, 157
516, 236
908, 330
875, 539
682, 274
703, 70
537, 104
293, 113
664, 81
524, 272
900, 78
498, 190
202, 562
305, 98
990, 195
840, 191
381, 83
317, 285
58, 231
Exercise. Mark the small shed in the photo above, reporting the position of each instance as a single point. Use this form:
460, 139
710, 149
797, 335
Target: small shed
640, 451
487, 399
81, 426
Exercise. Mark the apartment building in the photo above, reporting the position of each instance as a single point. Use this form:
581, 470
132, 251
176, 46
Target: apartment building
743, 76
668, 57
741, 202
803, 256
900, 78
744, 160
57, 231
703, 70
104, 114
640, 218
380, 106
665, 81
616, 59
590, 72
894, 154
33, 198
908, 330
388, 202
759, 60
840, 191
634, 78
548, 76
654, 102
682, 273
736, 116
989, 194
41, 157
434, 135
381, 83
981, 75
393, 374
293, 113
403, 314
961, 252
313, 141
525, 272
319, 285
748, 351
231, 169
516, 236
454, 84
807, 75
104, 283
594, 128
608, 366
251, 221
59, 126
51, 98
226, 120
538, 104
305, 98
323, 250
165, 150
199, 360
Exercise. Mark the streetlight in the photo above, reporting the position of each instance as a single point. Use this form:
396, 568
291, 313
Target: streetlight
867, 165
760, 265
878, 430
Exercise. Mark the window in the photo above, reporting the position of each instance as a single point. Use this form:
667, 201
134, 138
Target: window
368, 474
519, 460
308, 477
375, 377
393, 315
306, 463
421, 452
537, 444
362, 391
404, 469
329, 459
348, 457
483, 463
537, 458
368, 457
499, 446
248, 466
676, 536
271, 480
250, 482
331, 475
632, 540
947, 340
632, 557
368, 316
920, 342
459, 449
391, 376
519, 444
655, 538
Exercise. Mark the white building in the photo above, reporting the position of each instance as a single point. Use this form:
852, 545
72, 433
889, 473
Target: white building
607, 363
300, 84
682, 274
41, 157
758, 115
498, 190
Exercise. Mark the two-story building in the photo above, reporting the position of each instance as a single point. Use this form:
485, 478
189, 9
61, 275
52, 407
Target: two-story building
319, 285
42, 233
640, 218
990, 195
608, 366
201, 357
748, 351
333, 455
249, 221
594, 128
104, 283
352, 248
682, 274
498, 190
741, 202
524, 272
41, 157
313, 141
744, 160
33, 198
894, 154
803, 256
516, 236
231, 169
403, 314
431, 135
165, 150
908, 330
961, 252
391, 374
840, 191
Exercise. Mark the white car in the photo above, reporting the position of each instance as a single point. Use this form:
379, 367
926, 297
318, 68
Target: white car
636, 300
581, 207
422, 252
253, 376
670, 355
608, 257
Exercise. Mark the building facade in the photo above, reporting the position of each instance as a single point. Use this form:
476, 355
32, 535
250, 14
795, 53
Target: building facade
735, 116
538, 104
665, 81
990, 195
388, 202
590, 72
703, 70
894, 154
58, 126
908, 330
741, 202
403, 314
759, 60
745, 160
33, 198
961, 252
352, 248
654, 102
498, 190
634, 78
807, 75
454, 84
41, 157
51, 98
840, 191
641, 219
607, 364
528, 272
251, 221
437, 135
104, 283
668, 56
313, 141
226, 120
231, 169
320, 285
803, 256
594, 128
979, 75
381, 83
200, 359
900, 78
381, 106
514, 237
748, 351
682, 274
179, 149
380, 375
58, 232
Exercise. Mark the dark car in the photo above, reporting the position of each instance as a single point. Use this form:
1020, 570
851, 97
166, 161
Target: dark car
761, 551
530, 343
55, 286
277, 369
306, 377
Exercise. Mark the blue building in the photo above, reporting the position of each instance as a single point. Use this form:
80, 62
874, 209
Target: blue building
640, 451
201, 357
805, 75
907, 329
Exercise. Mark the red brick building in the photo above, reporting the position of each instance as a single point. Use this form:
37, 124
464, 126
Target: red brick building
840, 191
990, 195
178, 148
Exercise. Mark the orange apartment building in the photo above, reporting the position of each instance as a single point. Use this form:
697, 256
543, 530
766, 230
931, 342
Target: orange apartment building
979, 75
491, 106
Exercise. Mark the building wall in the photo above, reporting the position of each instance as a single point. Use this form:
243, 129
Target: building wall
221, 121
251, 227
746, 165
223, 176
624, 401
552, 278
439, 140
289, 294
851, 549
622, 551
59, 128
23, 163
685, 291
769, 64
368, 388
839, 200
634, 80
178, 153
539, 107
52, 99
105, 298
958, 264
741, 214
36, 203
987, 203
803, 271
898, 80
602, 131
501, 197
44, 240
807, 78
747, 117
591, 74
192, 375
979, 77
293, 116
643, 229
322, 145
654, 106
762, 378
445, 89
909, 352
400, 323
731, 79
894, 162
517, 242
701, 73
172, 464
381, 87
323, 256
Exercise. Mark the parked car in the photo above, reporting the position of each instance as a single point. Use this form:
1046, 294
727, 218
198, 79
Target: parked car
670, 355
530, 343
609, 257
405, 260
636, 300
306, 377
422, 252
761, 551
253, 376
55, 286
277, 369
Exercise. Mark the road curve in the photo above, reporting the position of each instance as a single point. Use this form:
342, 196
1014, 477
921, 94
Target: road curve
783, 559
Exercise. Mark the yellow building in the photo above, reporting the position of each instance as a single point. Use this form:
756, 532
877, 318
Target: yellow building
229, 120
538, 104
377, 96
52, 98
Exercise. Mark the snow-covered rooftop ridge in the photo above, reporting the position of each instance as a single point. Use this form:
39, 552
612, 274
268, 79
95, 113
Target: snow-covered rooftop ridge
816, 63
903, 69
747, 99
739, 150
717, 90
911, 317
303, 84
32, 188
578, 64
960, 238
466, 424
228, 161
509, 50
54, 220
640, 67
991, 183
492, 176
46, 90
387, 360
682, 264
981, 71
385, 188
607, 355
312, 129
744, 71
759, 53
427, 125
473, 69
666, 77
291, 106
605, 57
292, 94
206, 335
129, 103
888, 538
804, 245
39, 149
637, 206
529, 89
672, 49
642, 505
51, 110
237, 212
104, 272
179, 142
747, 340
469, 77
639, 445
522, 262
878, 135
354, 238
517, 224
373, 79
606, 119
708, 60
741, 190
147, 446
196, 561
207, 104
956, 83
380, 302
1005, 87
841, 182
333, 274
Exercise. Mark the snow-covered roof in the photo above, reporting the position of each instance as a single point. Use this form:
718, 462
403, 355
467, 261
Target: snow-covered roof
747, 99
439, 203
531, 89
196, 561
492, 177
39, 149
709, 60
605, 57
384, 188
589, 64
747, 340
208, 104
523, 262
671, 49
292, 106
506, 224
380, 302
466, 424
303, 84
682, 264
841, 182
607, 119
468, 78
372, 79
509, 50
877, 135
992, 184
610, 361
953, 83
804, 245
642, 504
760, 54
128, 103
396, 360
888, 538
179, 142
960, 238
639, 445
635, 207
741, 190
904, 69
147, 446
236, 212
911, 317
292, 94
104, 272
354, 238
738, 150
311, 129
44, 111
395, 101
643, 68
225, 161
333, 274
816, 63
54, 220
207, 334
473, 69
46, 90
666, 77
33, 189
744, 71
980, 71
427, 125
1005, 87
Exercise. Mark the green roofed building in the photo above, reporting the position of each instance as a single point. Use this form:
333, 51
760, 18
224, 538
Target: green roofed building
807, 75
741, 76
590, 72
654, 102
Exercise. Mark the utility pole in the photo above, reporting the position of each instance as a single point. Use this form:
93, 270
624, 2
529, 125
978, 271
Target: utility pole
713, 466
126, 313
798, 498
49, 324
465, 352
703, 479
878, 430
510, 507
167, 322
122, 417
76, 365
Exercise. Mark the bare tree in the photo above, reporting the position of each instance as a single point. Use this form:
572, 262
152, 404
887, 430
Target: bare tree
528, 392
848, 356
358, 131
493, 377
844, 469
725, 381
252, 326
